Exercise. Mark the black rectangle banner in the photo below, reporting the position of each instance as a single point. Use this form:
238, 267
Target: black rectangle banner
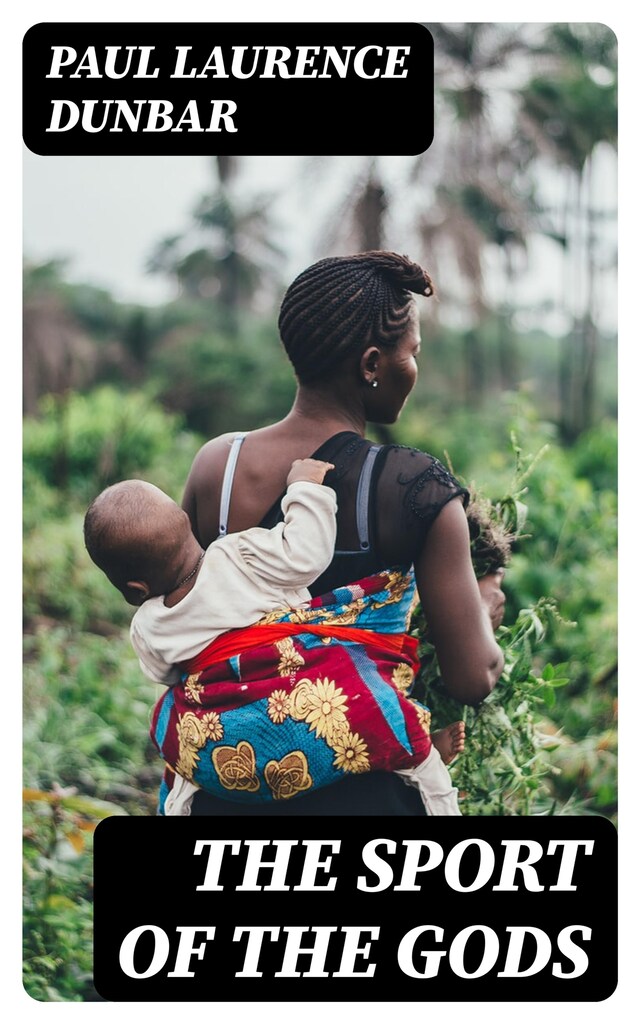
243, 89
397, 909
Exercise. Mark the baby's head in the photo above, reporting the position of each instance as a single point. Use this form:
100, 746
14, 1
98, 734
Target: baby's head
491, 538
140, 538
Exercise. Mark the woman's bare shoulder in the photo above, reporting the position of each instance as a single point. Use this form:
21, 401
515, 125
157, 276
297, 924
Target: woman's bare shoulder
212, 454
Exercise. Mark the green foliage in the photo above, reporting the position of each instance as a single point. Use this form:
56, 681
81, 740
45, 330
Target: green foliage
544, 741
58, 911
83, 442
221, 381
87, 713
595, 456
505, 765
61, 582
87, 755
87, 706
572, 557
42, 277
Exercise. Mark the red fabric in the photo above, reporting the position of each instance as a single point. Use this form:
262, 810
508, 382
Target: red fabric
237, 641
269, 711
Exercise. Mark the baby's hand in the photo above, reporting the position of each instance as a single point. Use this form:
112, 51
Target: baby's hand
308, 469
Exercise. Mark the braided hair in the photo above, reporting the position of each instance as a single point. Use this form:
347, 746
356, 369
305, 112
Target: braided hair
340, 305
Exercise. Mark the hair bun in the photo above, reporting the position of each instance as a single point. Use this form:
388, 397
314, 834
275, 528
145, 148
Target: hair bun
400, 270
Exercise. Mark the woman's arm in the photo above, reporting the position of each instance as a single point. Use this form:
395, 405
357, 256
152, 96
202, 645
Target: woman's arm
461, 612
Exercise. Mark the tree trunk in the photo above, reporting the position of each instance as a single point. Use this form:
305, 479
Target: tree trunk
508, 354
474, 368
589, 339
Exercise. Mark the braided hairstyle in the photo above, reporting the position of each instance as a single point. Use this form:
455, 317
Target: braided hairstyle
340, 305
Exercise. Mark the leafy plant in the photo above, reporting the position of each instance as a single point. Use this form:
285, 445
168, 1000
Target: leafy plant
58, 833
86, 755
82, 442
87, 711
505, 764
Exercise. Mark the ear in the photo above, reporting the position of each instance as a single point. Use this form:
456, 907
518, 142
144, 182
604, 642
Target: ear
137, 591
369, 364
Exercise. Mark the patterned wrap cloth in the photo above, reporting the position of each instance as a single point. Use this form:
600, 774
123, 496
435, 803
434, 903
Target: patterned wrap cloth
301, 699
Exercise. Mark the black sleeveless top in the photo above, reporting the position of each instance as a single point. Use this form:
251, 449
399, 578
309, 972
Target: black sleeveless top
388, 497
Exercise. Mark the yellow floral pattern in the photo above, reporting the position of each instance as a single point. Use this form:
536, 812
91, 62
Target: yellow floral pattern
322, 705
278, 706
299, 705
352, 754
398, 584
288, 776
236, 767
191, 738
424, 716
290, 659
212, 726
323, 715
274, 616
402, 678
348, 617
192, 688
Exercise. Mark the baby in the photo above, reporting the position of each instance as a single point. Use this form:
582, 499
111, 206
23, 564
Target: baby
187, 597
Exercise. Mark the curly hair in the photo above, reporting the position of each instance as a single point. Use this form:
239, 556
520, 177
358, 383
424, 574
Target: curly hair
340, 305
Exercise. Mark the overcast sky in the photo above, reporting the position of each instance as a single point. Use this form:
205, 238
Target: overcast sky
106, 214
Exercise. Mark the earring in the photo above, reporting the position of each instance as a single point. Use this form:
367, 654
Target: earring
374, 383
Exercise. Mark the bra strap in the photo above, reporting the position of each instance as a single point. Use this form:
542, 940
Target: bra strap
362, 497
227, 483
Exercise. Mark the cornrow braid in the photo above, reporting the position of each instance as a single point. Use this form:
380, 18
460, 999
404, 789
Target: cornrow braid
342, 304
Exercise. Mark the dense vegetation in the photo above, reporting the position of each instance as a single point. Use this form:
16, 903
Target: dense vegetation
544, 743
526, 418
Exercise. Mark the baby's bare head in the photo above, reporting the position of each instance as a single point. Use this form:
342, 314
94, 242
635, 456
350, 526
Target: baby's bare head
133, 531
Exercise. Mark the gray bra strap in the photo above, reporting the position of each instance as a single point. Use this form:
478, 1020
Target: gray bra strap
227, 483
362, 497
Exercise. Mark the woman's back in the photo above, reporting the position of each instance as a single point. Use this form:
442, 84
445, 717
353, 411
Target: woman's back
388, 497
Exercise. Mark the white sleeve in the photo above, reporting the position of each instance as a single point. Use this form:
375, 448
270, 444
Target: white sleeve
152, 665
294, 553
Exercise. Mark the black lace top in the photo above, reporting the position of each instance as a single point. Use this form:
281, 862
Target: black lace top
408, 488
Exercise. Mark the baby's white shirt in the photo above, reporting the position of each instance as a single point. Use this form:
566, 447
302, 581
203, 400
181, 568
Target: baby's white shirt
243, 577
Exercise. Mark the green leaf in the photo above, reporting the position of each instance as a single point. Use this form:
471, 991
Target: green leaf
91, 807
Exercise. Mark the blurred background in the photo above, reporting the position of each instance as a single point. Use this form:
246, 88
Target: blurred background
152, 288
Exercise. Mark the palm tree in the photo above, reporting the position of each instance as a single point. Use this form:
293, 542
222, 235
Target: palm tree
238, 257
470, 174
569, 113
359, 221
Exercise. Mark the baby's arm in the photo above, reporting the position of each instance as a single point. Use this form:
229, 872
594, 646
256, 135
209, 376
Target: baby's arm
310, 470
294, 553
